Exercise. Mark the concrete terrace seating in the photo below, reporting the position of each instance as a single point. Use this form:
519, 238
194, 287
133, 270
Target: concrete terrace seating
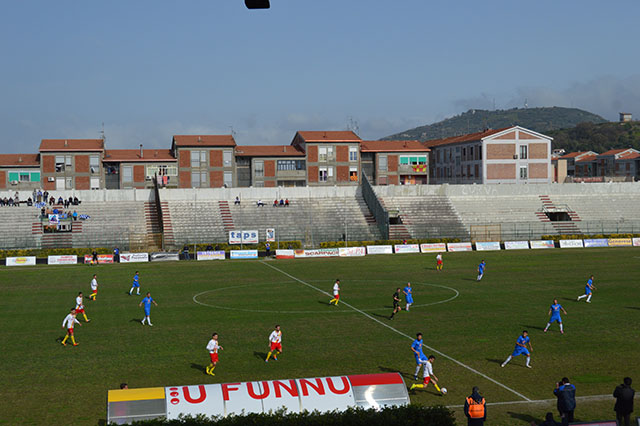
16, 227
111, 223
317, 219
599, 213
196, 222
427, 216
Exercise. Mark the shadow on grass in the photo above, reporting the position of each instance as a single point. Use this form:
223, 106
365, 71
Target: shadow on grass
495, 361
632, 307
138, 320
407, 376
322, 302
568, 299
102, 422
379, 315
524, 417
470, 279
199, 367
533, 327
261, 355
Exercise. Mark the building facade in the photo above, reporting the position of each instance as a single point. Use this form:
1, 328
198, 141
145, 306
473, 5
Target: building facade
395, 162
205, 161
19, 171
72, 164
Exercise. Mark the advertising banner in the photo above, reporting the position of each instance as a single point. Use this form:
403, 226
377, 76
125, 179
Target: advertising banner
244, 254
323, 252
599, 242
542, 244
210, 255
271, 235
516, 245
487, 245
134, 257
164, 257
570, 243
407, 248
351, 251
54, 219
285, 254
636, 242
225, 399
102, 258
243, 237
620, 242
433, 247
459, 247
379, 249
65, 259
21, 261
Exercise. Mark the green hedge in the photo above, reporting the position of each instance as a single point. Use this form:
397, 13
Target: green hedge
410, 415
334, 244
582, 237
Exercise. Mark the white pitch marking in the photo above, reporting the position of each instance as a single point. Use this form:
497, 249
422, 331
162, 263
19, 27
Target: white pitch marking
548, 401
401, 333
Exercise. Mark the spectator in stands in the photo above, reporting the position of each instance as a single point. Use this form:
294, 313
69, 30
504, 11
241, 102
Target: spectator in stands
45, 196
281, 202
475, 408
624, 394
60, 201
116, 251
237, 201
185, 253
43, 212
260, 203
566, 394
286, 202
52, 201
209, 247
29, 202
66, 204
39, 196
76, 201
75, 215
16, 199
275, 203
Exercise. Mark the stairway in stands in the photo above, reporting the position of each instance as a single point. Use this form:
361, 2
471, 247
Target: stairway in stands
227, 218
398, 232
562, 227
57, 240
167, 226
154, 230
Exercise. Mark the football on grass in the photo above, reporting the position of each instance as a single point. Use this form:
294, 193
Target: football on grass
443, 390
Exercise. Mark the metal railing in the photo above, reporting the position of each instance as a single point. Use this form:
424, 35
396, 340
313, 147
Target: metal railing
375, 207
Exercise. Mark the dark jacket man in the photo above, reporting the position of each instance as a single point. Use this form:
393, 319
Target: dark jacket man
566, 394
624, 394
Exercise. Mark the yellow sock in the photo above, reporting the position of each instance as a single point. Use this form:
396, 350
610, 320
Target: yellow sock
276, 355
65, 339
213, 367
85, 317
437, 388
73, 339
268, 356
333, 300
417, 386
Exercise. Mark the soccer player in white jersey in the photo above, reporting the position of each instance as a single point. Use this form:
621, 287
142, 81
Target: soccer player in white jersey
439, 262
94, 288
213, 348
427, 374
80, 306
275, 344
68, 323
336, 293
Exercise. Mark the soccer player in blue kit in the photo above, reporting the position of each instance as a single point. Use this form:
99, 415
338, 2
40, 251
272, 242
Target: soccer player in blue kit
147, 308
588, 290
416, 347
481, 270
136, 284
521, 348
554, 311
408, 296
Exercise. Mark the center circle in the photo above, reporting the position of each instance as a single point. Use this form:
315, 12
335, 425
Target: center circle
196, 298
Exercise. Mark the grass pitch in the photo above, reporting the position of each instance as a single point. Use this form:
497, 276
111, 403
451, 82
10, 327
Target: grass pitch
42, 382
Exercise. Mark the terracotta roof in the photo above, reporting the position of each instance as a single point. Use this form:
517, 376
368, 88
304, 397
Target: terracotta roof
616, 151
19, 160
72, 145
629, 155
586, 158
464, 138
204, 140
393, 146
268, 151
130, 155
574, 154
329, 136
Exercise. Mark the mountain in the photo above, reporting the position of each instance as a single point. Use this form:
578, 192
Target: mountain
597, 137
541, 120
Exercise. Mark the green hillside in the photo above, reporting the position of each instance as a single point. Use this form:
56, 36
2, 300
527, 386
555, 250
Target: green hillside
541, 120
597, 137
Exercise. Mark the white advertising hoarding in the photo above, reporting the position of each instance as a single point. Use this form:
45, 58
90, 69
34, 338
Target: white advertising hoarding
21, 261
407, 248
134, 257
65, 259
379, 249
351, 251
570, 243
542, 244
323, 252
433, 247
243, 237
244, 254
459, 247
285, 254
487, 245
210, 255
516, 245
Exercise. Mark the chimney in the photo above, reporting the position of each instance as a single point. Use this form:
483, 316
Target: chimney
284, 148
19, 159
141, 155
66, 144
199, 139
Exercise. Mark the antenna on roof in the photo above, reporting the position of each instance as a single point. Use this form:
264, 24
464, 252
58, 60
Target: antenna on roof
102, 136
352, 125
233, 132
526, 104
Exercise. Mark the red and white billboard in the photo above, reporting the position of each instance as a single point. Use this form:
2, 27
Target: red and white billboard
433, 247
351, 251
285, 254
102, 258
459, 247
65, 259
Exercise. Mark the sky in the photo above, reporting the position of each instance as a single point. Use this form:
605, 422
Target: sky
149, 69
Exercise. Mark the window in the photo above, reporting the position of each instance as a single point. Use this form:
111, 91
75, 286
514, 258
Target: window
353, 153
476, 171
322, 174
382, 163
24, 177
353, 174
479, 152
59, 163
35, 176
523, 152
464, 153
382, 180
198, 179
414, 161
69, 183
127, 174
228, 179
291, 165
471, 153
95, 183
322, 154
523, 172
198, 159
226, 157
161, 170
94, 164
258, 168
330, 154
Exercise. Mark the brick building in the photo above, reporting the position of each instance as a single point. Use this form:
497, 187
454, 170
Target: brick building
204, 161
508, 155
270, 166
135, 168
19, 171
395, 162
71, 163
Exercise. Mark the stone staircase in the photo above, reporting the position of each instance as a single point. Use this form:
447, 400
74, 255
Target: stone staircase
561, 227
167, 226
57, 240
227, 218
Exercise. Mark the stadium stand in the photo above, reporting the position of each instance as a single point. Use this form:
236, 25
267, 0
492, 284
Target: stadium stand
111, 223
20, 227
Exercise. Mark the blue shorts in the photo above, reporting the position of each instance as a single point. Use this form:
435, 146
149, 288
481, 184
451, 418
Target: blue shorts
420, 358
136, 284
555, 318
587, 290
409, 299
147, 312
519, 350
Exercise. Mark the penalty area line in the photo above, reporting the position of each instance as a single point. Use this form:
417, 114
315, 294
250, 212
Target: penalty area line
461, 364
547, 401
